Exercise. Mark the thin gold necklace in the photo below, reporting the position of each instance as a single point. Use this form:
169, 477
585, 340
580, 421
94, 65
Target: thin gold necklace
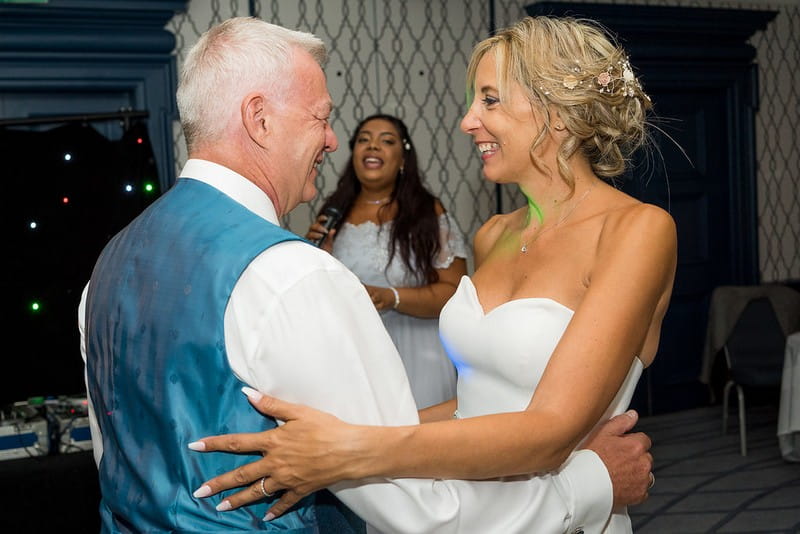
524, 247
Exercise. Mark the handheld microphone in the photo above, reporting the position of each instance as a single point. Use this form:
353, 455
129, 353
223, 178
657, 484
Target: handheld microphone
333, 215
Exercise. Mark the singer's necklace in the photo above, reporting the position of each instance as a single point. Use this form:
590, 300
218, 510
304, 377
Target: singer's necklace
376, 202
524, 247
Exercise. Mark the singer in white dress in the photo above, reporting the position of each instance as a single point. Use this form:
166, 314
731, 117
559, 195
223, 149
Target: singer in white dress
396, 237
363, 248
551, 332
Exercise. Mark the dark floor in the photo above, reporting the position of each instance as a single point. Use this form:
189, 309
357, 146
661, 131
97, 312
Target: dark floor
703, 484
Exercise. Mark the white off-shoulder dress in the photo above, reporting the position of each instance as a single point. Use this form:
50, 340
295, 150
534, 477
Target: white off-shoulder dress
501, 356
364, 249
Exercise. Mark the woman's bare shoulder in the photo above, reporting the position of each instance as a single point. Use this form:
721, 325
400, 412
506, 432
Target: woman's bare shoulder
637, 232
490, 232
438, 207
639, 218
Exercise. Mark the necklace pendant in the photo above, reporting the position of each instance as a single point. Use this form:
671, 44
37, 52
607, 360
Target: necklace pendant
524, 248
377, 202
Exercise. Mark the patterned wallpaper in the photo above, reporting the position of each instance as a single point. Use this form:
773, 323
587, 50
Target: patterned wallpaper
408, 57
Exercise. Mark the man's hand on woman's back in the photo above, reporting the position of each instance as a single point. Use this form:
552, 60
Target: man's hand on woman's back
626, 456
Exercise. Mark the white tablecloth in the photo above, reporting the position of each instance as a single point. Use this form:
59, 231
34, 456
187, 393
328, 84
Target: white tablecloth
789, 411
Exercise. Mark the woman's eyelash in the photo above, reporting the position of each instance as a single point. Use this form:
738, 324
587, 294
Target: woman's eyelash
489, 100
367, 140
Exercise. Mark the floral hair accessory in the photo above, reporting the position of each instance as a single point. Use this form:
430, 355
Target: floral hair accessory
571, 81
621, 72
603, 80
606, 81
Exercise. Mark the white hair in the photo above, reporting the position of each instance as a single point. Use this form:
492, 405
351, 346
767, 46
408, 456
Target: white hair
230, 60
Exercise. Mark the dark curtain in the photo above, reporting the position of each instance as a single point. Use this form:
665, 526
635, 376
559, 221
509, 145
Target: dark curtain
78, 188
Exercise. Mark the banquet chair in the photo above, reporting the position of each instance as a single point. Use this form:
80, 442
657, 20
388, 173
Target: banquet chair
754, 353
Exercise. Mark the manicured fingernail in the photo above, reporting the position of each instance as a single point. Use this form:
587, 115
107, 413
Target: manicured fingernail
197, 446
631, 413
252, 394
224, 506
269, 517
202, 491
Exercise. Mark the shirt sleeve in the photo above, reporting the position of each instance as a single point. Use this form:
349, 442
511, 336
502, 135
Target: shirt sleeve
94, 427
301, 327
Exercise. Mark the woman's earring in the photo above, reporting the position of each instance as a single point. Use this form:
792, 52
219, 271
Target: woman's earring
558, 127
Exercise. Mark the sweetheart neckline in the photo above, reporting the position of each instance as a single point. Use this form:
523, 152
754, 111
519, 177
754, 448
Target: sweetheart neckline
484, 313
474, 292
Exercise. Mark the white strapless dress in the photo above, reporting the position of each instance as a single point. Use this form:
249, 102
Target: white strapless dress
501, 356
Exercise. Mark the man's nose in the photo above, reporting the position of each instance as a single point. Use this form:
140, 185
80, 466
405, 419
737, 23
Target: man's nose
331, 141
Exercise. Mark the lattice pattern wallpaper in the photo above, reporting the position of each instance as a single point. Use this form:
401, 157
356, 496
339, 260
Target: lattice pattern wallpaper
408, 58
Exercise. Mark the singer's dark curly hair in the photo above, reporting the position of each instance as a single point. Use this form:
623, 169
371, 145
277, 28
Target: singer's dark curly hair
415, 232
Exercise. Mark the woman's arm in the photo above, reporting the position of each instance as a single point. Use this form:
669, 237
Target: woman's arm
427, 301
438, 412
635, 267
424, 301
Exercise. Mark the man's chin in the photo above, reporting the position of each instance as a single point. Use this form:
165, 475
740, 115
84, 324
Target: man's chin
310, 193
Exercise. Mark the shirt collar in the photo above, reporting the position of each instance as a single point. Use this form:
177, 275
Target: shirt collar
233, 185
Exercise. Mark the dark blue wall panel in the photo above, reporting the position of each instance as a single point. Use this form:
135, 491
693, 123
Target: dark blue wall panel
74, 57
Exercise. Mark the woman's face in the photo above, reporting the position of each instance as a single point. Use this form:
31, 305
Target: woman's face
502, 134
378, 154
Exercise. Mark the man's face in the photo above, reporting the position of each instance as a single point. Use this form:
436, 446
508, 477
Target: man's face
302, 133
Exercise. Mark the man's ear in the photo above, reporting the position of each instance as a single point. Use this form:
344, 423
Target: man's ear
255, 118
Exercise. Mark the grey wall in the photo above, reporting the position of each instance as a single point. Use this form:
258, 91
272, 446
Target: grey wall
408, 57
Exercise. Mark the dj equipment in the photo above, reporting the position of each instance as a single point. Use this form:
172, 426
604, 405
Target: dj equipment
74, 434
70, 416
39, 426
20, 438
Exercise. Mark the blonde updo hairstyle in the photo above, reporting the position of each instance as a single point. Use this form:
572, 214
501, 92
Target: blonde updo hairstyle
557, 62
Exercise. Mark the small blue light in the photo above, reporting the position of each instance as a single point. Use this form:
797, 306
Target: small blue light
128, 188
33, 225
67, 156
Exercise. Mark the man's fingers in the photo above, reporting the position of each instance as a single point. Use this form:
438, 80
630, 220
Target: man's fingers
286, 501
644, 439
620, 424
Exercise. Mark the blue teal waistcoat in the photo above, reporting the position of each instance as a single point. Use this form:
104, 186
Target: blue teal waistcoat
158, 370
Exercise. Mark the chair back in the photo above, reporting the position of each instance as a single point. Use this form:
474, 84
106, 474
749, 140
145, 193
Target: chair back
755, 348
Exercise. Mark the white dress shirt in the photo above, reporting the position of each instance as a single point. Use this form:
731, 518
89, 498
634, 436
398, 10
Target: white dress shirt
301, 327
